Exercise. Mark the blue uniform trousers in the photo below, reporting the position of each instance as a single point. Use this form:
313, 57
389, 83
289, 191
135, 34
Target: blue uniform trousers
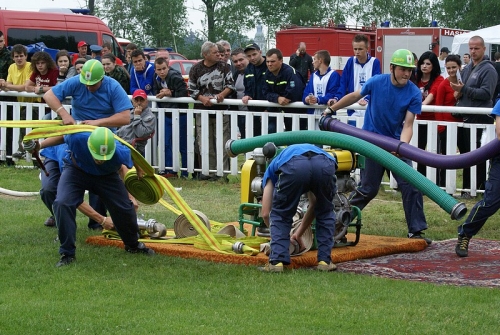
112, 192
488, 206
413, 203
296, 177
48, 191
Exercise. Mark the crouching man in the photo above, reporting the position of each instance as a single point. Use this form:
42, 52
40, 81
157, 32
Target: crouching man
298, 169
95, 162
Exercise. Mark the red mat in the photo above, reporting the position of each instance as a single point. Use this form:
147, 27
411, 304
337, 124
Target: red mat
438, 264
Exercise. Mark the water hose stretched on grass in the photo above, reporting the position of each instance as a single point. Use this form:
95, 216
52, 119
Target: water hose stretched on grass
149, 189
427, 158
445, 201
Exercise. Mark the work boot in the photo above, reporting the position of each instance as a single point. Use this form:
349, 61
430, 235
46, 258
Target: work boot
271, 267
50, 222
420, 235
462, 247
326, 267
140, 249
65, 260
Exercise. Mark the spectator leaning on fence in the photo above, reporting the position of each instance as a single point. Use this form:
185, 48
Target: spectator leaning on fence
211, 79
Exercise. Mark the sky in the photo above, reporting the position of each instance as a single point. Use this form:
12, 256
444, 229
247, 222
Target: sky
194, 16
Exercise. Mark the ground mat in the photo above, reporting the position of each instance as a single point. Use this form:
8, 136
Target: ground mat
369, 246
439, 264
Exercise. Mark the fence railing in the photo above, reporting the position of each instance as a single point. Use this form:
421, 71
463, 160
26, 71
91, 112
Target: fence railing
155, 149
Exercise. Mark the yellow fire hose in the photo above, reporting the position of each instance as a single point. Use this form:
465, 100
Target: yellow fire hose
148, 190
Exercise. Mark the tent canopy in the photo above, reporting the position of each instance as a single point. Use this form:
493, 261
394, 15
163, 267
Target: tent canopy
490, 35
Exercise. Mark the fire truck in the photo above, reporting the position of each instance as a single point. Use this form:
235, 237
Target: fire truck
335, 38
383, 41
417, 40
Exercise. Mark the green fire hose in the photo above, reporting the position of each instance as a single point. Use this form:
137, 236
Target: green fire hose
445, 201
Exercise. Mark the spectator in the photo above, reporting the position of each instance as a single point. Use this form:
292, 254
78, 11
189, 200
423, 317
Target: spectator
82, 52
107, 48
428, 80
169, 83
222, 52
66, 70
19, 72
79, 64
118, 73
479, 80
226, 57
496, 95
142, 75
298, 169
447, 97
5, 58
211, 79
44, 73
283, 85
96, 52
131, 47
323, 84
240, 61
442, 57
391, 112
302, 62
466, 60
5, 61
142, 123
255, 79
358, 69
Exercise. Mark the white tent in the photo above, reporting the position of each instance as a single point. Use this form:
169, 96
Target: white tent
490, 35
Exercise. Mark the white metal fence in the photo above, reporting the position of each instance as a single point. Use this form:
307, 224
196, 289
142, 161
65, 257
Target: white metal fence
155, 150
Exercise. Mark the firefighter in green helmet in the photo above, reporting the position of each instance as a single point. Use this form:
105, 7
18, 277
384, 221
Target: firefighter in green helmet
395, 101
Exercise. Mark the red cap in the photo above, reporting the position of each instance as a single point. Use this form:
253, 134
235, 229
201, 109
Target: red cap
81, 44
140, 93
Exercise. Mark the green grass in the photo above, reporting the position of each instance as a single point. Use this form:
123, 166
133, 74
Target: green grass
110, 292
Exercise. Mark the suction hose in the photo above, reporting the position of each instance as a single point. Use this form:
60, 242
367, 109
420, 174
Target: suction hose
445, 201
448, 162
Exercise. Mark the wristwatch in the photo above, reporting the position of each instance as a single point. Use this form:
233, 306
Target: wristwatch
40, 90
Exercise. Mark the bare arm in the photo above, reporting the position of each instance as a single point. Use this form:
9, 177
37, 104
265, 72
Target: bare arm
87, 210
407, 132
55, 104
267, 201
348, 100
116, 120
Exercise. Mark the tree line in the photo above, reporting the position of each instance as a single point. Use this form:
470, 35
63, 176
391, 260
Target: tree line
164, 22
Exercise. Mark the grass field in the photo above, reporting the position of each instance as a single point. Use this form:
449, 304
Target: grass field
110, 292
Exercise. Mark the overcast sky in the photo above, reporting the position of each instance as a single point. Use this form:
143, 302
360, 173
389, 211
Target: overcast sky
194, 16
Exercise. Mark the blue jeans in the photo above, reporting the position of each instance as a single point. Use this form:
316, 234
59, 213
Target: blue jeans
488, 206
413, 203
182, 142
112, 192
296, 177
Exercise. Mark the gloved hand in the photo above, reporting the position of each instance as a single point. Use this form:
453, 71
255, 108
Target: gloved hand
31, 146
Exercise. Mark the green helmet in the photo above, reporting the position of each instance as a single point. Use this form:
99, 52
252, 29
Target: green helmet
92, 72
101, 144
403, 57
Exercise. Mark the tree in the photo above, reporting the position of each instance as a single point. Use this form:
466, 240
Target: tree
467, 14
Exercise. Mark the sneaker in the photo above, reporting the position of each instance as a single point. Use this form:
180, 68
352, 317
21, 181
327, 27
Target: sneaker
140, 249
169, 175
462, 247
465, 195
271, 268
50, 222
18, 155
420, 235
65, 260
326, 267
